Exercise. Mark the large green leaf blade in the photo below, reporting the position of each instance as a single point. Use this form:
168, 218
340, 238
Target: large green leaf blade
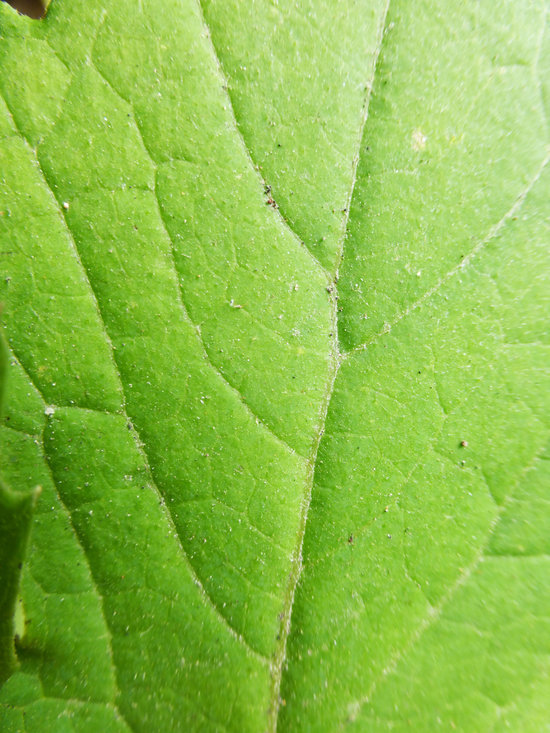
438, 420
187, 394
174, 349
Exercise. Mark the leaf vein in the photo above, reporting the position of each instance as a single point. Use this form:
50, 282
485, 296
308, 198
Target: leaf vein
183, 305
263, 183
336, 358
361, 133
108, 634
463, 264
139, 442
436, 611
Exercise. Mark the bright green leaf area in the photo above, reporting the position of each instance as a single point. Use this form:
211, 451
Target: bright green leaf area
275, 282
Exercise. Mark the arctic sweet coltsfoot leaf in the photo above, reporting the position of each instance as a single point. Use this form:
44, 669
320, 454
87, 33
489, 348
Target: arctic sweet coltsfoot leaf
275, 290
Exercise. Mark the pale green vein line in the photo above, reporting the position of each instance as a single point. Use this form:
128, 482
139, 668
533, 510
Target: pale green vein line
536, 61
108, 633
518, 555
336, 362
19, 431
140, 444
257, 419
462, 265
297, 559
14, 357
73, 246
361, 133
436, 611
224, 83
71, 701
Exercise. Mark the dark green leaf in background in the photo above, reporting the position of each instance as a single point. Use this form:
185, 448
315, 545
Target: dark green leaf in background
15, 520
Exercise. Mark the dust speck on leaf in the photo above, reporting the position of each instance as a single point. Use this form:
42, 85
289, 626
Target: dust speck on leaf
418, 140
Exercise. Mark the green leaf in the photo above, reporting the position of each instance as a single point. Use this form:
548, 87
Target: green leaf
15, 520
276, 298
16, 510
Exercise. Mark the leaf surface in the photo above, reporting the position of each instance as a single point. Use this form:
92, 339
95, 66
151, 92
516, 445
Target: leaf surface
276, 297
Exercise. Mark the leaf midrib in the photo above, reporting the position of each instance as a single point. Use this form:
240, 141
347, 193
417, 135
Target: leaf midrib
336, 356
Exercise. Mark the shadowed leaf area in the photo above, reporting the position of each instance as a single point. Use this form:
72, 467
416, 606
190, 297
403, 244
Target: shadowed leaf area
15, 520
275, 287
